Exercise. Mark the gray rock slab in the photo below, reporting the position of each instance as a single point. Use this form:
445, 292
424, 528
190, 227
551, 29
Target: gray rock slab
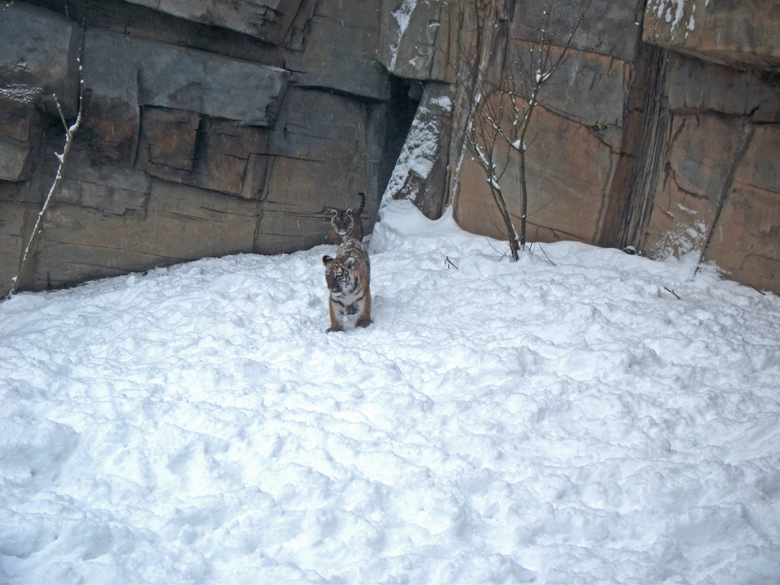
157, 74
418, 39
340, 51
13, 159
78, 243
38, 57
609, 27
268, 20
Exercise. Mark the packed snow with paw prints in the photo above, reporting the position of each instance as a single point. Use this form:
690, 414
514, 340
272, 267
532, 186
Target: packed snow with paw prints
581, 415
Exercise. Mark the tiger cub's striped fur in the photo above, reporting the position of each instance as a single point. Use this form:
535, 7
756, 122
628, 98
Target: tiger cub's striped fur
348, 276
345, 224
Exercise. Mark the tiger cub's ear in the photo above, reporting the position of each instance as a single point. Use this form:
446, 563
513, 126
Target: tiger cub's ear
326, 260
349, 262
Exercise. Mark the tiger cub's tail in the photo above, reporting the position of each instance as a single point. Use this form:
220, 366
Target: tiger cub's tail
360, 209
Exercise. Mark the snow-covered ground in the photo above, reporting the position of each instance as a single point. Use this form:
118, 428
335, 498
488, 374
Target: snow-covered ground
578, 416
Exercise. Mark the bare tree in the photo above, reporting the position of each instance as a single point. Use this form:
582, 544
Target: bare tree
483, 138
503, 111
482, 135
70, 130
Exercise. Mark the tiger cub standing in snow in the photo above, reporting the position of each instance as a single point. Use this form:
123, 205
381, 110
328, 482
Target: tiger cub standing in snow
348, 276
346, 223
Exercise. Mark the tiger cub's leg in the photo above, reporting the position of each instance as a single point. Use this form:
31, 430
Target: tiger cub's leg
365, 311
335, 317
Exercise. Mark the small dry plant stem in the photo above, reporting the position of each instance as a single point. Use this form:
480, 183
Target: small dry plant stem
70, 130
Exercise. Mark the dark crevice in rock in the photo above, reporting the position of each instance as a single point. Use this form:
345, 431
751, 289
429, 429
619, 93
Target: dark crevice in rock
650, 153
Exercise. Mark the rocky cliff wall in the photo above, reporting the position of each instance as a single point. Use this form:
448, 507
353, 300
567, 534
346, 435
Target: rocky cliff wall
662, 134
209, 128
217, 127
717, 191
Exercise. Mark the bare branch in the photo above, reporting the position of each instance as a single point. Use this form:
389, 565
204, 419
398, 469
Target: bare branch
529, 69
667, 289
501, 111
7, 6
69, 132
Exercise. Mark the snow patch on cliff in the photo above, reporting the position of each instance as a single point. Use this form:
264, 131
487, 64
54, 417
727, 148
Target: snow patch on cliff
402, 14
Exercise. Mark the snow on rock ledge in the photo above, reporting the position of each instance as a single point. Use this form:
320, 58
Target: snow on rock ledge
733, 33
421, 170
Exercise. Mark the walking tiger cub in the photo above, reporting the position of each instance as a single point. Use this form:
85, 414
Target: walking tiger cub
348, 276
346, 223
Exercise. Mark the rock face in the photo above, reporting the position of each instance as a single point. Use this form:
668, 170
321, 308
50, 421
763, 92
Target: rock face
213, 128
730, 33
719, 193
421, 171
579, 151
196, 141
37, 60
267, 20
667, 145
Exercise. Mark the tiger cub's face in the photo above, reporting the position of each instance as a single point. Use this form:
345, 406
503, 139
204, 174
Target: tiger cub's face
342, 221
339, 273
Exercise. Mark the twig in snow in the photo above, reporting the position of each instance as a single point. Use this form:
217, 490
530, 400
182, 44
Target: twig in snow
503, 254
536, 242
545, 254
448, 263
667, 289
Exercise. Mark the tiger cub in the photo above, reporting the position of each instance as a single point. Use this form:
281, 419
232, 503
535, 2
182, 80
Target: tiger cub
345, 224
348, 276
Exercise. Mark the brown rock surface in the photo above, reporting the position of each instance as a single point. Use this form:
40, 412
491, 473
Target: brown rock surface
697, 177
589, 88
610, 27
564, 200
719, 195
697, 86
729, 33
746, 238
181, 223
